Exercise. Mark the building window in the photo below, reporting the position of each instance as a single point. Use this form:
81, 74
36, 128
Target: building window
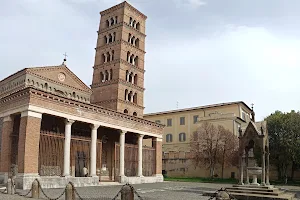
157, 121
169, 122
126, 111
182, 137
134, 114
195, 118
169, 138
244, 116
182, 120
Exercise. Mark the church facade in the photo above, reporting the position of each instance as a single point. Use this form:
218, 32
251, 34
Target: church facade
55, 128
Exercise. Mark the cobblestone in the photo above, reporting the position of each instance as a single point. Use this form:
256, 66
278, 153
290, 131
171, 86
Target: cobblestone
157, 191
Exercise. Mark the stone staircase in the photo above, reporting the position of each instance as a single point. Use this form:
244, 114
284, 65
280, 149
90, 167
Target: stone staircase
253, 192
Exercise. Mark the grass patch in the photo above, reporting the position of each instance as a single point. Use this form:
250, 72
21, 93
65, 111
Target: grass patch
202, 180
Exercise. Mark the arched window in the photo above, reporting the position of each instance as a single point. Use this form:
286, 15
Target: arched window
107, 23
108, 56
74, 95
136, 61
130, 78
128, 56
46, 86
106, 75
126, 95
130, 96
103, 58
110, 38
113, 55
169, 138
105, 39
126, 111
134, 114
131, 59
182, 137
137, 42
116, 19
133, 23
102, 77
130, 21
112, 21
129, 37
132, 40
114, 38
138, 26
111, 74
135, 79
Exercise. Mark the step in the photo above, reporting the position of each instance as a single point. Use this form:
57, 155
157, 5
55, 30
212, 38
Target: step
256, 192
254, 189
284, 196
255, 186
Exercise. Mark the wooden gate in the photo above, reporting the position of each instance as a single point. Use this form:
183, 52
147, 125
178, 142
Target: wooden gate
51, 154
131, 160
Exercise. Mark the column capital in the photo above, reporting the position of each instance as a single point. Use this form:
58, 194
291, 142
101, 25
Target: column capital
69, 121
94, 126
141, 135
29, 113
157, 139
122, 132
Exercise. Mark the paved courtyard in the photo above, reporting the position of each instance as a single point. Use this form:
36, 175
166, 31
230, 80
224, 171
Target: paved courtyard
157, 191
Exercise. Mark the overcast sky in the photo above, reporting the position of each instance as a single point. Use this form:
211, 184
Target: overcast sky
198, 52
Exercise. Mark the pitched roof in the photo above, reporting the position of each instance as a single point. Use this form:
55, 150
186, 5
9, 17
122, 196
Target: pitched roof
199, 107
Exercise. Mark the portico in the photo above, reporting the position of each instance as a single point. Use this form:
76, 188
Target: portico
55, 144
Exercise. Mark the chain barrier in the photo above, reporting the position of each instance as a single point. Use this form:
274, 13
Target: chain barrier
18, 193
118, 194
135, 192
49, 198
76, 192
4, 191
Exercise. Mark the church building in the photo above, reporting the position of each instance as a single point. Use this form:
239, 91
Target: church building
55, 128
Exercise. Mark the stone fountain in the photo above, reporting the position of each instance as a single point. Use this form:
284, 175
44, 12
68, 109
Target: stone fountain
254, 171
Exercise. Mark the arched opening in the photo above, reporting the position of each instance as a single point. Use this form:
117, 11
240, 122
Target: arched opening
134, 114
135, 79
135, 98
132, 40
138, 26
136, 61
126, 111
128, 56
129, 37
114, 38
130, 78
107, 23
131, 59
110, 38
74, 95
133, 23
106, 75
108, 57
126, 78
46, 86
102, 77
111, 21
112, 55
130, 21
126, 95
103, 58
111, 74
130, 96
137, 42
105, 39
116, 19
32, 82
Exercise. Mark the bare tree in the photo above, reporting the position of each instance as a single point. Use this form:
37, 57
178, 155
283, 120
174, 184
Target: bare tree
228, 149
212, 146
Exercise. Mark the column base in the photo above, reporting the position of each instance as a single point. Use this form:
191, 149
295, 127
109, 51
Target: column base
123, 179
24, 180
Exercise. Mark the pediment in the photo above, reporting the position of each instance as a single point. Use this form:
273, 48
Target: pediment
61, 75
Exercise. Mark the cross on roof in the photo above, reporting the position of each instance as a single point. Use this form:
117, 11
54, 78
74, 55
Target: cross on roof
65, 54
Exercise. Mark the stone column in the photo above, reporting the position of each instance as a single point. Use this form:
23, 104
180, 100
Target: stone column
109, 75
140, 162
122, 154
247, 161
132, 80
263, 166
111, 56
241, 170
267, 167
157, 144
127, 77
105, 57
93, 153
67, 147
7, 129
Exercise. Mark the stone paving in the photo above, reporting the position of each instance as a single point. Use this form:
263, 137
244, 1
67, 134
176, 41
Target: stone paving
156, 191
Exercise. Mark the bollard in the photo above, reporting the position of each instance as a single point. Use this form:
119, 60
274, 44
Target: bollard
35, 190
9, 186
127, 193
69, 192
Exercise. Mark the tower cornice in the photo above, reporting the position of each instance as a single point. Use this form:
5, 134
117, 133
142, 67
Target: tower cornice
118, 42
119, 61
119, 25
118, 81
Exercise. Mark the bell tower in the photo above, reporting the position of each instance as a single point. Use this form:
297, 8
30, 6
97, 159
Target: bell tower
118, 79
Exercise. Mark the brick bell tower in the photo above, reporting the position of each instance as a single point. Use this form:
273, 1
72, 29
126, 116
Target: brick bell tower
118, 79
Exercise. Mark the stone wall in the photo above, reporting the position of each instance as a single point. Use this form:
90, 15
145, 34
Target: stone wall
1, 124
